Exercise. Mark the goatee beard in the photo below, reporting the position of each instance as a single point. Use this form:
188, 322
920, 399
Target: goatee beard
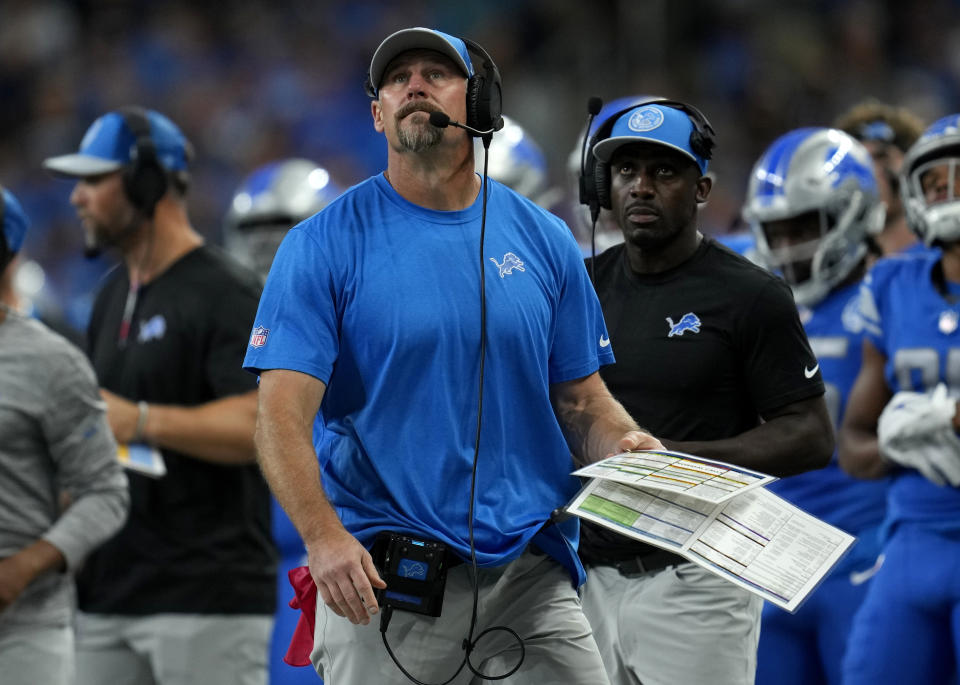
416, 137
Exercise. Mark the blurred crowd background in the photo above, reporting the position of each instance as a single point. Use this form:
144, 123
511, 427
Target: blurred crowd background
253, 81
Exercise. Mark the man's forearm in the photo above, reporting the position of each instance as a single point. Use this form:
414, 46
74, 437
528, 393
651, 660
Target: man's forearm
290, 467
783, 446
594, 425
220, 431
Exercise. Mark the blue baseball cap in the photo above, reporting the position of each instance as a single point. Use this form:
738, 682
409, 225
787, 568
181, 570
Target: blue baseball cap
651, 123
15, 222
417, 38
109, 144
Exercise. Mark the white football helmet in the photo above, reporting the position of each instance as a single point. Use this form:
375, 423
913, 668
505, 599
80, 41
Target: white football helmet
937, 217
818, 170
270, 201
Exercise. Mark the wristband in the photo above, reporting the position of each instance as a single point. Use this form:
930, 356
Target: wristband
143, 411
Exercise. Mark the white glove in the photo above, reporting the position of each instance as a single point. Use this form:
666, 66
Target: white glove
916, 431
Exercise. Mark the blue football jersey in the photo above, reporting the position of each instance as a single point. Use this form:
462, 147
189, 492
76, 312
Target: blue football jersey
916, 328
835, 330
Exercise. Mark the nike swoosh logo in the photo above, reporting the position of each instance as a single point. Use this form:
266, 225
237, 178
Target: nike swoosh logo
809, 373
604, 341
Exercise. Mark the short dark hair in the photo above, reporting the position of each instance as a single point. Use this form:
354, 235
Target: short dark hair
871, 119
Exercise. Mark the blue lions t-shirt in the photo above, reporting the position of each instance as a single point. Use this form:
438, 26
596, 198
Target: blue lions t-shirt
918, 331
380, 299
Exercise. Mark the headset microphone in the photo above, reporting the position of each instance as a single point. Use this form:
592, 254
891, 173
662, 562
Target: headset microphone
441, 120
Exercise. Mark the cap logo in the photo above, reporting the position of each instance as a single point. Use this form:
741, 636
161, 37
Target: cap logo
645, 119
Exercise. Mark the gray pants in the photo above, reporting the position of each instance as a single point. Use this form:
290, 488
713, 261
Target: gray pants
532, 595
36, 654
172, 649
680, 624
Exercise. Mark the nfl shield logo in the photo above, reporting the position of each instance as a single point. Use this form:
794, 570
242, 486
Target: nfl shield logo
259, 337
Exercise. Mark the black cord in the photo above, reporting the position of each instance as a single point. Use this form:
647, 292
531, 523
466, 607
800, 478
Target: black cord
469, 643
593, 253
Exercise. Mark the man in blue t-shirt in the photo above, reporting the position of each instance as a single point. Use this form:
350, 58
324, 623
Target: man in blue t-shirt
902, 420
438, 339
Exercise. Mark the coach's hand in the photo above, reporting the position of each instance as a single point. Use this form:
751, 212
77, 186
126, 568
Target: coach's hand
638, 440
345, 575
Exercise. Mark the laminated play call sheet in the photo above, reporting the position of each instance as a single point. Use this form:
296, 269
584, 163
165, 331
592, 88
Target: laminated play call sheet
716, 515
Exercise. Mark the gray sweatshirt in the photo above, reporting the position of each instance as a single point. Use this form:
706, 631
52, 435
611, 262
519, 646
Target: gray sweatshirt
54, 437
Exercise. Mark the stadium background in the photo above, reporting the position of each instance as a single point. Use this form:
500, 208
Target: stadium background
250, 82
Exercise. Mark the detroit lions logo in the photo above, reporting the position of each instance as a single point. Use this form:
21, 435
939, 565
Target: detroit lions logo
408, 568
152, 329
510, 262
688, 322
645, 119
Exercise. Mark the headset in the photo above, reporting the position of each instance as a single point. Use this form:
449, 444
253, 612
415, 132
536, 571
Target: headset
595, 175
145, 180
484, 94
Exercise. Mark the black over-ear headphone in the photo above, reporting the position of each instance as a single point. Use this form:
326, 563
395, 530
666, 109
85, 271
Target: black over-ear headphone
596, 174
144, 179
484, 92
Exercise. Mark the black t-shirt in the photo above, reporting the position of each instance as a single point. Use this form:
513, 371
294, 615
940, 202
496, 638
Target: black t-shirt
702, 351
197, 540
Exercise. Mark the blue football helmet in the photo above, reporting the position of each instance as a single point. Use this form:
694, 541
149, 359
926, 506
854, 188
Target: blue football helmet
934, 215
819, 170
515, 160
271, 200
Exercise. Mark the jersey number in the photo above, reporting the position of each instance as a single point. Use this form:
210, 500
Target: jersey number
923, 365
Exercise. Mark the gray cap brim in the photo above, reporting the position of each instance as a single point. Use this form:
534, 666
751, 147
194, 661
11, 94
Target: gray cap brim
79, 166
411, 39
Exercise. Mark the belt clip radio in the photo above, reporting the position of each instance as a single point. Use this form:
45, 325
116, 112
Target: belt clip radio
415, 572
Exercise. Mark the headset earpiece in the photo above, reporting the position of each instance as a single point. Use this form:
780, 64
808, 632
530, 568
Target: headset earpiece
484, 93
144, 179
596, 174
601, 180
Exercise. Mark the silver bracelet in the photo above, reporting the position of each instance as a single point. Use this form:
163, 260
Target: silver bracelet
143, 409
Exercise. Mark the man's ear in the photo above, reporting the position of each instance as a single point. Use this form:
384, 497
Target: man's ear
377, 114
704, 185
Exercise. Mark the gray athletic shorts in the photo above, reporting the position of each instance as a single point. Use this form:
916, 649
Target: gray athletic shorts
680, 624
173, 649
36, 654
532, 595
